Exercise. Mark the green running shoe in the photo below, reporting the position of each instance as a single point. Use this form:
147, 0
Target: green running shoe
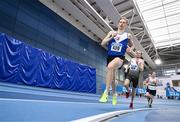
114, 100
104, 98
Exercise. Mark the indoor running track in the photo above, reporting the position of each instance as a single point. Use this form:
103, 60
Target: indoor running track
24, 103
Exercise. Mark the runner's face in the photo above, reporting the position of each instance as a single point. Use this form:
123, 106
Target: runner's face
138, 54
153, 74
122, 24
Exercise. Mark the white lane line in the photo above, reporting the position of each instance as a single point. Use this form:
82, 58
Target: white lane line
104, 116
46, 101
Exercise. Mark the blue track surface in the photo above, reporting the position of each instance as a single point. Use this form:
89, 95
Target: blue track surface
39, 104
163, 115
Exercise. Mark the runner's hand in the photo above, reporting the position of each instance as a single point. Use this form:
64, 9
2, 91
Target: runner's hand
129, 49
113, 34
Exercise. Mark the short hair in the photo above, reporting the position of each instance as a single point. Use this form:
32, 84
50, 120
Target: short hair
127, 21
151, 72
138, 51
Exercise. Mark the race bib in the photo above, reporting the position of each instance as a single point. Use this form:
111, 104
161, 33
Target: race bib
116, 47
133, 66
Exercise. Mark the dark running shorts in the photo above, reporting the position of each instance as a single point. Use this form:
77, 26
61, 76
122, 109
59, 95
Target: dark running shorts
152, 92
110, 58
133, 79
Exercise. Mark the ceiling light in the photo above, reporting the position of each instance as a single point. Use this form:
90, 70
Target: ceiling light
158, 61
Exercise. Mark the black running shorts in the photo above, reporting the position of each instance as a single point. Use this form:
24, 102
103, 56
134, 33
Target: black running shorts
110, 58
133, 79
152, 92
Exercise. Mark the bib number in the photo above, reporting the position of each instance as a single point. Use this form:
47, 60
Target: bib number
133, 66
116, 47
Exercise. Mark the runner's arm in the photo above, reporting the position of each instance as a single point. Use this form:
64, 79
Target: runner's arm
109, 36
130, 42
141, 65
146, 81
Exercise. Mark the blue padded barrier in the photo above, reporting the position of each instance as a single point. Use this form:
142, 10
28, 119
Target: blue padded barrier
22, 64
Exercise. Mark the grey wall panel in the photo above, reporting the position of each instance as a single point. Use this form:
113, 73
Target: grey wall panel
25, 30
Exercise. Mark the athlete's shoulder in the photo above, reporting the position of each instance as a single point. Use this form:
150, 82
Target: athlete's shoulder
142, 60
129, 34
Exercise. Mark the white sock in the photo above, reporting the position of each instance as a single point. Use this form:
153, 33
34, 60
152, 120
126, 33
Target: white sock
105, 91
